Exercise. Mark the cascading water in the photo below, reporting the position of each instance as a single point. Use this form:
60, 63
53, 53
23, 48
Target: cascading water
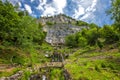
51, 67
43, 77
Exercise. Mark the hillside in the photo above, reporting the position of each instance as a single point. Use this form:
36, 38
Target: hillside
57, 47
91, 64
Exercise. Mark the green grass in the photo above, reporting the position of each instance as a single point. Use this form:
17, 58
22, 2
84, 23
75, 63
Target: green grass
56, 74
26, 75
6, 74
23, 57
83, 64
94, 65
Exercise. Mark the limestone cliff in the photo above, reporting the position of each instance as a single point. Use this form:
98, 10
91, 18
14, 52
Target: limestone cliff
58, 27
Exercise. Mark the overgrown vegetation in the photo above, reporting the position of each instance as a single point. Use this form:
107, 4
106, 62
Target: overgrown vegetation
56, 74
94, 36
19, 31
22, 45
20, 38
94, 65
89, 62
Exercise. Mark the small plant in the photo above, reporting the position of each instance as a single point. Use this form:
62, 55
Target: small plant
49, 23
103, 65
26, 75
85, 63
97, 68
83, 78
111, 66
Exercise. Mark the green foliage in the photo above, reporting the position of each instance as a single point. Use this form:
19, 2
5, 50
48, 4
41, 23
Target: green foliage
29, 32
92, 36
8, 21
81, 23
109, 34
56, 74
20, 35
6, 74
26, 75
49, 23
100, 44
97, 68
18, 29
91, 65
93, 25
115, 12
82, 41
46, 47
84, 38
103, 65
71, 41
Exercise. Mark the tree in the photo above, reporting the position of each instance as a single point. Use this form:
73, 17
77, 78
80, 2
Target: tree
17, 28
71, 41
8, 20
93, 25
115, 12
109, 34
82, 41
92, 36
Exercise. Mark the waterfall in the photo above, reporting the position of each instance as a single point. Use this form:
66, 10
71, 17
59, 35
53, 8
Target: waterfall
43, 77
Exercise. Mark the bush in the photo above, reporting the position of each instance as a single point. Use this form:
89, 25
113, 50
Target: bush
26, 75
103, 65
97, 68
49, 23
82, 42
111, 66
71, 41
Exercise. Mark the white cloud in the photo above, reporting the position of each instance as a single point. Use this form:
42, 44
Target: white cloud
31, 0
91, 8
19, 3
79, 11
49, 11
42, 2
40, 6
94, 3
28, 8
85, 16
59, 5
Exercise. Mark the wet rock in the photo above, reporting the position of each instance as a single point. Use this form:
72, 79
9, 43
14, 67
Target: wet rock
35, 77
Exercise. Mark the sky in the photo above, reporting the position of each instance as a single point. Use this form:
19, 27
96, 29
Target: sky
91, 11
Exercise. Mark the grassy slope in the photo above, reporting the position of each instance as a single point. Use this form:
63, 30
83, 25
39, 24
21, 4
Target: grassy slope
13, 59
94, 65
83, 64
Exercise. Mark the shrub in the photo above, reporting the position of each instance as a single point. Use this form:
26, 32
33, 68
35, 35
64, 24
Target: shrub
103, 65
82, 42
97, 68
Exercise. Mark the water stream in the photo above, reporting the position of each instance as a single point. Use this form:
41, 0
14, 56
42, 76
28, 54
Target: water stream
43, 77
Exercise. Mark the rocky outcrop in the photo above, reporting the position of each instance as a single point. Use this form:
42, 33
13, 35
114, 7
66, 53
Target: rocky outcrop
57, 33
61, 18
58, 27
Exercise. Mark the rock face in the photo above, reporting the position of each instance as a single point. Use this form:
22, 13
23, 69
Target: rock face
58, 27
